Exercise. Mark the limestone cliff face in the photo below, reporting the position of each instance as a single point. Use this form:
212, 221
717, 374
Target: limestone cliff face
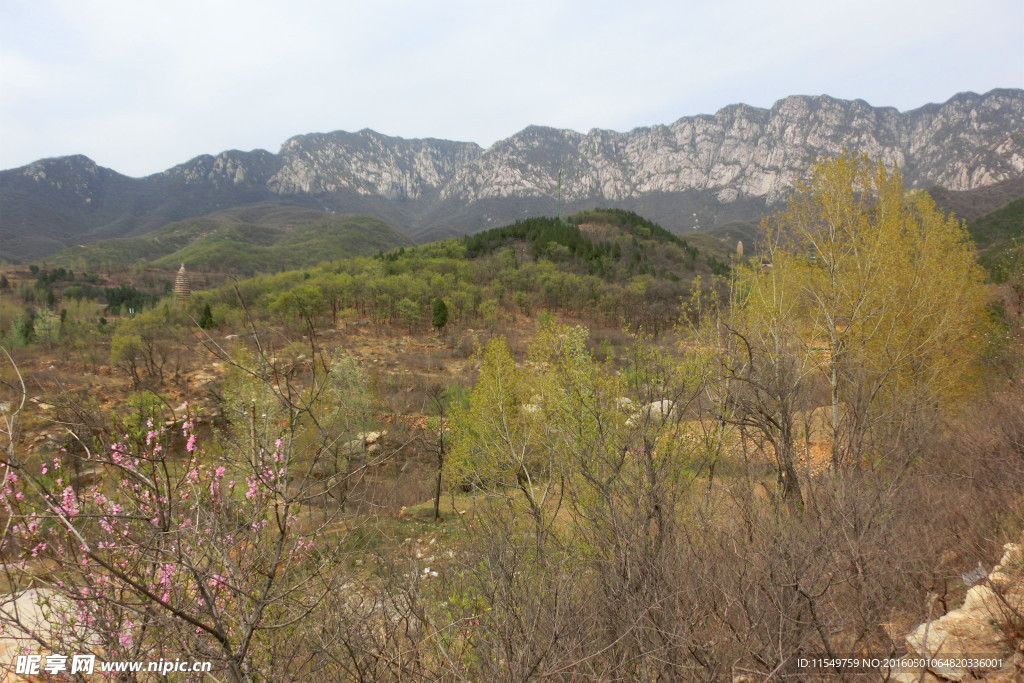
692, 173
369, 164
968, 142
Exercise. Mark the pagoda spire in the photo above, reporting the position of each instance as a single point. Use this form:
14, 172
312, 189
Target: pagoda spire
182, 289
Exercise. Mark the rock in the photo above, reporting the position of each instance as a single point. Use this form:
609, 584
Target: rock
31, 606
913, 675
88, 477
1012, 562
370, 438
980, 628
657, 411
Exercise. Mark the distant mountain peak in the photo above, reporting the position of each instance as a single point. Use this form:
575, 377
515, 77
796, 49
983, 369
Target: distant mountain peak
692, 173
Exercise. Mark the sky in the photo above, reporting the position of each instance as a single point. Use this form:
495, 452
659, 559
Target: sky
141, 86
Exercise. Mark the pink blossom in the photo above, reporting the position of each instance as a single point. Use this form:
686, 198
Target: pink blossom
69, 502
126, 638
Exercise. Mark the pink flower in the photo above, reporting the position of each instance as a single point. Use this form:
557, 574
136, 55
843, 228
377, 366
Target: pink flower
69, 502
126, 638
191, 445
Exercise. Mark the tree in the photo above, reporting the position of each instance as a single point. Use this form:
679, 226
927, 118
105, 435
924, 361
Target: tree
440, 398
178, 543
439, 314
891, 299
145, 345
206, 318
135, 570
303, 303
408, 312
497, 442
763, 369
47, 327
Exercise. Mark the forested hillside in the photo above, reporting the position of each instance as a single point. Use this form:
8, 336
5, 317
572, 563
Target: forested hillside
260, 238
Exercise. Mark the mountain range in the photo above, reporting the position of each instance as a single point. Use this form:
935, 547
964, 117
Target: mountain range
695, 173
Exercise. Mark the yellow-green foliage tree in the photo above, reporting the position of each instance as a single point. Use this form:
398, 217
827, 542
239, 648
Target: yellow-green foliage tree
765, 367
495, 441
891, 298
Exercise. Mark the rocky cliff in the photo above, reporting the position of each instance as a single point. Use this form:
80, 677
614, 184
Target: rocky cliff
693, 173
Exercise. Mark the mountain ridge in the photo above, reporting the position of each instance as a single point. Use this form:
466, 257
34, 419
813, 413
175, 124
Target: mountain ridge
693, 173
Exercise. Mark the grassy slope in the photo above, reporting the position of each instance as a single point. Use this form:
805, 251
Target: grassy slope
970, 205
248, 239
724, 238
1000, 239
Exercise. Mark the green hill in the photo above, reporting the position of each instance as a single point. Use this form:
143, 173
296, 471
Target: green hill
970, 205
251, 239
999, 236
604, 267
610, 243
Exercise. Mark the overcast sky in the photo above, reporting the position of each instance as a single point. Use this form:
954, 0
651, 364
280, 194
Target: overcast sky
140, 86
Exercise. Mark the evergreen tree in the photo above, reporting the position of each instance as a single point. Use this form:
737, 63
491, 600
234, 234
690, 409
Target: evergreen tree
439, 314
206, 319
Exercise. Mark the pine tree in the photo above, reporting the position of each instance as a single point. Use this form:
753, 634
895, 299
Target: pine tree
439, 317
206, 319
